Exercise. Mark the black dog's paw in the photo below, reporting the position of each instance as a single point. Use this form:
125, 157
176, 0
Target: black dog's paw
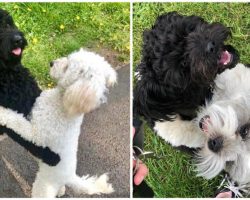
49, 157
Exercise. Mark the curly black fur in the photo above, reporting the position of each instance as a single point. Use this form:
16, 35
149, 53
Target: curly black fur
18, 89
181, 57
6, 20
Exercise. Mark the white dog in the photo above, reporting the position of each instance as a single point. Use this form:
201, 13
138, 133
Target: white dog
226, 125
82, 81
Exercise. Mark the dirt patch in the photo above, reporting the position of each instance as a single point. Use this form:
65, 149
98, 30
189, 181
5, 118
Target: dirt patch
113, 57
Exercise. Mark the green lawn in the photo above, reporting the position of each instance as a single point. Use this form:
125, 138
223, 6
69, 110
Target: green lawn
56, 29
174, 176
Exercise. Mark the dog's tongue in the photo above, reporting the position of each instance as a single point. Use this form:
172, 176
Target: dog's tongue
17, 51
225, 58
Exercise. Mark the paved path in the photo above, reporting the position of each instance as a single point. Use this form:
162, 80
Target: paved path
103, 147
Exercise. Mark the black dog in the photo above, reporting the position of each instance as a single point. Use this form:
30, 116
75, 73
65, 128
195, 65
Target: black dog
18, 89
181, 57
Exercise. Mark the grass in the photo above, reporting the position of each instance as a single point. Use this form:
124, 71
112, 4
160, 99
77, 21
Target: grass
174, 176
56, 29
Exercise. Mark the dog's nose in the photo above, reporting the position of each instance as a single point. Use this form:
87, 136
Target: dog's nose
215, 144
210, 47
51, 63
17, 39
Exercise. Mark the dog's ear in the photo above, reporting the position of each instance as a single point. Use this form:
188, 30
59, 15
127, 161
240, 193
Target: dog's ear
108, 71
222, 32
111, 77
80, 98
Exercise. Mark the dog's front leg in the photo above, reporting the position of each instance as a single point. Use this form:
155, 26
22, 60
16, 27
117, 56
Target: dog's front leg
17, 122
91, 185
180, 132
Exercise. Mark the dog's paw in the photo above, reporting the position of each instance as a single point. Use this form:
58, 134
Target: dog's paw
98, 185
61, 192
103, 185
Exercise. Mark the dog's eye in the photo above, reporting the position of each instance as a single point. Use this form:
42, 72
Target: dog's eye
191, 28
244, 130
184, 63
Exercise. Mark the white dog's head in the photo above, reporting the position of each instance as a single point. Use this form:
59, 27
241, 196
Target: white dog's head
85, 77
227, 130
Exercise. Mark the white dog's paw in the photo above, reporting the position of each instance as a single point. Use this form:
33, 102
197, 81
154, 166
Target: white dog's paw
61, 192
103, 185
99, 185
112, 79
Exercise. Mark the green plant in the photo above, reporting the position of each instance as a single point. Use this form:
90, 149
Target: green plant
56, 29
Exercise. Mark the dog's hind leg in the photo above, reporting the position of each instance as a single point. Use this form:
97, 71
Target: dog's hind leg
180, 132
43, 189
91, 185
47, 184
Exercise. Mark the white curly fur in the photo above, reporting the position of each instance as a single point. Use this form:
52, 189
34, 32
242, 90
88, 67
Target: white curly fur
55, 120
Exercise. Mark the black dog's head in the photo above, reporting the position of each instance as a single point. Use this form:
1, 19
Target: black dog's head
12, 41
206, 53
181, 57
183, 49
6, 20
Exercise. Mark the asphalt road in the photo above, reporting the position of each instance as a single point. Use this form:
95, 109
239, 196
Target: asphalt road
103, 148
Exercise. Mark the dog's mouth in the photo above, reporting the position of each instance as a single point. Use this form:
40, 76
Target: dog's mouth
225, 58
204, 123
17, 51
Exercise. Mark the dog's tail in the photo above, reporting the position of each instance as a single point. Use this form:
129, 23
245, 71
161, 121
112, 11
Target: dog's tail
16, 122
